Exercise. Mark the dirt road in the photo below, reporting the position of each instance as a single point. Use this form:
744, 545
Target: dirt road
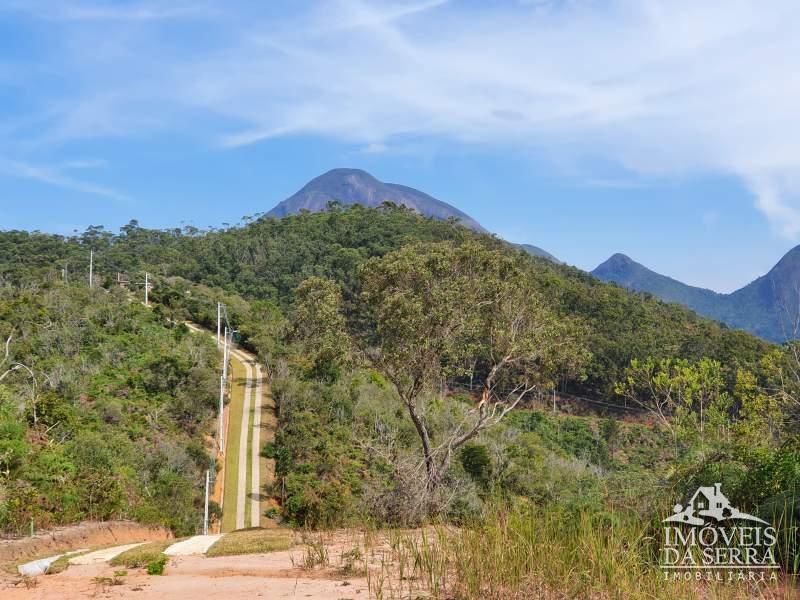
273, 576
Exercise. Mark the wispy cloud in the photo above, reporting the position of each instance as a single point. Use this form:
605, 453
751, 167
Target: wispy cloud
86, 163
54, 177
658, 88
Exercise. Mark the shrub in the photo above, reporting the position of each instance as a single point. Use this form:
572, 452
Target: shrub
157, 566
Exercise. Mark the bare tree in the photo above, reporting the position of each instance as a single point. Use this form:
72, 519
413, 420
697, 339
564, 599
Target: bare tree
12, 367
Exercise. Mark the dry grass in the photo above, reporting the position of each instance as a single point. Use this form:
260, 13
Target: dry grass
62, 563
548, 555
253, 541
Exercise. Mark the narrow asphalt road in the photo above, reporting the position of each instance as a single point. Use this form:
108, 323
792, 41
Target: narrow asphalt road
243, 472
241, 493
255, 448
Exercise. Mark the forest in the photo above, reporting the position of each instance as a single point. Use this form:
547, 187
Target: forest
422, 372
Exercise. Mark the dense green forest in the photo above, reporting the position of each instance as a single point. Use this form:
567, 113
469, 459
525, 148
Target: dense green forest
266, 259
397, 347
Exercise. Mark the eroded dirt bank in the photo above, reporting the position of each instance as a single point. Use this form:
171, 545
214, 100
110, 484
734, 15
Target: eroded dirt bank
85, 535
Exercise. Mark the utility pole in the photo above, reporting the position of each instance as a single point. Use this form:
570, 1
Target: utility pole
91, 267
205, 510
147, 289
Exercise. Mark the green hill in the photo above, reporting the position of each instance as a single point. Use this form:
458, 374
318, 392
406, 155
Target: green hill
106, 419
268, 258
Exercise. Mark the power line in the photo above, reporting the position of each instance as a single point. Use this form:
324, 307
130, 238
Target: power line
560, 395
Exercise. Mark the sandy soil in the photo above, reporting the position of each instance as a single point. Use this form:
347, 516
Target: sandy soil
273, 575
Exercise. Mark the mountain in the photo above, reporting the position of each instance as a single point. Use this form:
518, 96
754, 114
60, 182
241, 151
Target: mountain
354, 186
536, 251
767, 307
628, 273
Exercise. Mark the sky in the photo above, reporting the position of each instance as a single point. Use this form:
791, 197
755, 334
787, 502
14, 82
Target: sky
668, 130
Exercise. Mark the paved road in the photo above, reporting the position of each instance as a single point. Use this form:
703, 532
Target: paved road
250, 442
249, 435
241, 493
255, 449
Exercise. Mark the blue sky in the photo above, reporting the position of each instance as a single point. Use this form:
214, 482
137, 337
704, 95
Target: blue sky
664, 129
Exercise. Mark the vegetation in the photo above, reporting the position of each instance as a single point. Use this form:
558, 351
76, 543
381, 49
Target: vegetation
265, 260
103, 408
252, 541
142, 556
528, 553
157, 566
413, 363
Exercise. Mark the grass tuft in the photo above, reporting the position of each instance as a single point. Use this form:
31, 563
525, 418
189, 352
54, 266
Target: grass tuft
62, 563
141, 556
253, 541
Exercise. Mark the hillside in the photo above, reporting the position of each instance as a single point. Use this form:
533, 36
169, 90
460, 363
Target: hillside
380, 331
107, 418
536, 251
767, 307
269, 258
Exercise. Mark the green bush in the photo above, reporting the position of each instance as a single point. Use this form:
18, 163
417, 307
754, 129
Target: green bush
157, 566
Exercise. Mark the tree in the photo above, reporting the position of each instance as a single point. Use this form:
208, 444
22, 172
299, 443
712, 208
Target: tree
686, 398
319, 327
440, 310
16, 366
760, 416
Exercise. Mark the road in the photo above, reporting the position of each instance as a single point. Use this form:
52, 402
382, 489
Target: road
246, 435
250, 423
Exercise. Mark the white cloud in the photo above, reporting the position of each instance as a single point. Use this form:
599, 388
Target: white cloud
657, 87
778, 197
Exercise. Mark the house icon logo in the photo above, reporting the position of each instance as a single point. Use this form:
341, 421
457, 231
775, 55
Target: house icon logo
708, 504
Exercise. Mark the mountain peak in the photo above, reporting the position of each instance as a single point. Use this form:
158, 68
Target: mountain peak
355, 186
341, 173
618, 260
628, 273
789, 261
349, 186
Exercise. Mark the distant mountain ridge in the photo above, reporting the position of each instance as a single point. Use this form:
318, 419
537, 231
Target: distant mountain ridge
354, 186
768, 307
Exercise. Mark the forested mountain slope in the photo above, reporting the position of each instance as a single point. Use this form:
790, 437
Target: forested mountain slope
104, 407
349, 309
267, 259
